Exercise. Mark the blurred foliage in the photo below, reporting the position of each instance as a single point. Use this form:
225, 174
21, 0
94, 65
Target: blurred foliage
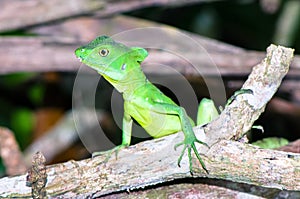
2, 169
36, 94
22, 122
14, 107
271, 143
15, 79
22, 94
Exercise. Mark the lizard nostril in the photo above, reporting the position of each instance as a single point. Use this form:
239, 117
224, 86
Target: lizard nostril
123, 67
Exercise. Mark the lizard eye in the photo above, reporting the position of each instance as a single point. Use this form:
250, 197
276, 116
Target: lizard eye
103, 52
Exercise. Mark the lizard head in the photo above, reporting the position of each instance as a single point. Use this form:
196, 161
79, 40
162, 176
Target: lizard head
111, 59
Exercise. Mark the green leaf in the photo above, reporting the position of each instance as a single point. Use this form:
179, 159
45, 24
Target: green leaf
271, 143
22, 123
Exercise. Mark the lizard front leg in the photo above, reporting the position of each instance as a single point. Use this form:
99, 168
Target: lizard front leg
126, 138
187, 128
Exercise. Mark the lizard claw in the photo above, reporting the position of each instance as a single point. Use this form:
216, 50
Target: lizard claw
109, 152
189, 144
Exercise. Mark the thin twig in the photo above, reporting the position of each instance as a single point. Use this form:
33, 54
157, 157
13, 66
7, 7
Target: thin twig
10, 153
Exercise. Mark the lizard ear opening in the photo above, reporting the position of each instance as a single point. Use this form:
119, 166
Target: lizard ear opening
139, 53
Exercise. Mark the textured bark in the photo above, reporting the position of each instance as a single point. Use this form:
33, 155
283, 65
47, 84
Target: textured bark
154, 162
16, 14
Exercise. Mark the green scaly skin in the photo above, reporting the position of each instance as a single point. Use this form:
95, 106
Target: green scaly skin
154, 111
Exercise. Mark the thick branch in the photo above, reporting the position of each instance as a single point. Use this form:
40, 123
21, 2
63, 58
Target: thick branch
153, 162
264, 80
230, 60
10, 153
117, 6
17, 14
186, 190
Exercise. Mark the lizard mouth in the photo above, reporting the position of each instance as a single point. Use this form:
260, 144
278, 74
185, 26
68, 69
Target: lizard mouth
80, 59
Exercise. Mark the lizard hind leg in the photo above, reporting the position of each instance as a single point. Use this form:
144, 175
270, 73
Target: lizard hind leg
189, 144
207, 111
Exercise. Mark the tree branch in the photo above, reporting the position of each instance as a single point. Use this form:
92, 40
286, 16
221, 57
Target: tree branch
16, 14
230, 60
186, 190
10, 153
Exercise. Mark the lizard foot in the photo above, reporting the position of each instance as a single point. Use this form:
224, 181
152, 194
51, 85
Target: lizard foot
189, 144
236, 93
109, 152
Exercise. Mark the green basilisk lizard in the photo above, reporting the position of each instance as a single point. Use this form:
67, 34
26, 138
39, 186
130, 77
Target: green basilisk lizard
154, 111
